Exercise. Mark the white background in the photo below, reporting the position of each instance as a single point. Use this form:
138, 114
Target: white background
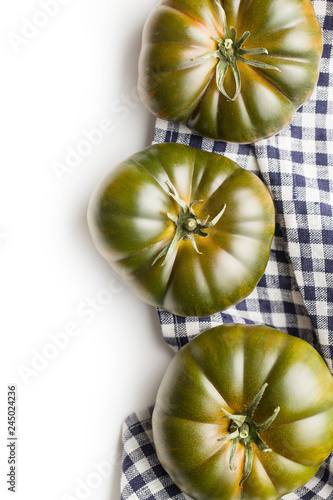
64, 74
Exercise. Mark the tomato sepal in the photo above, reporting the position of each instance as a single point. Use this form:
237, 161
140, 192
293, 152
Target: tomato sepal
229, 53
187, 225
245, 430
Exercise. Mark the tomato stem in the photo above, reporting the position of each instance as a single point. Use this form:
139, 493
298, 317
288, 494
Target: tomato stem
187, 225
229, 53
244, 430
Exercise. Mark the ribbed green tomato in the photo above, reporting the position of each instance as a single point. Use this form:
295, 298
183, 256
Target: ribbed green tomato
244, 404
231, 70
146, 207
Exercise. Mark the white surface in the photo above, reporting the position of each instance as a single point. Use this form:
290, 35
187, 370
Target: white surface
59, 82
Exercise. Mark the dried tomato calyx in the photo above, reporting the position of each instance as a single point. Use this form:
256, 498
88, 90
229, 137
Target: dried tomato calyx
229, 53
244, 430
187, 224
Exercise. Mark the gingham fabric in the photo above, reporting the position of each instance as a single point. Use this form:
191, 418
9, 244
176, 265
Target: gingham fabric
295, 294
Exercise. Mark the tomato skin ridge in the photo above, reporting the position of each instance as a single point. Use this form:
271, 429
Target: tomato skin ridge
187, 97
186, 408
128, 218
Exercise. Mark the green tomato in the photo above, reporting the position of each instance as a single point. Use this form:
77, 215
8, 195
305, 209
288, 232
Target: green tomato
231, 70
244, 412
187, 230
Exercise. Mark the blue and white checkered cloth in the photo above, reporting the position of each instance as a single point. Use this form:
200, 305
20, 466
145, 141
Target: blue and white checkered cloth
295, 294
